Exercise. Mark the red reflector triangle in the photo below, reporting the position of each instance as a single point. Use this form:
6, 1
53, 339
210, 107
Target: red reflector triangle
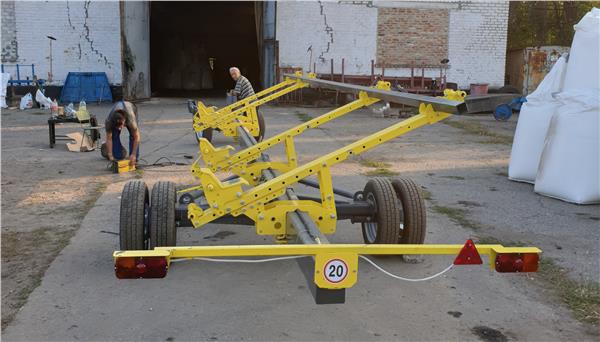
468, 255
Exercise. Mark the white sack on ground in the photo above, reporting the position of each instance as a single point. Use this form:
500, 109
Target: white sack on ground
533, 123
569, 165
45, 102
26, 102
4, 77
583, 70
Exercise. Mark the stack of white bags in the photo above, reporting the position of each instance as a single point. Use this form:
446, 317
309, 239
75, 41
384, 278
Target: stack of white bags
557, 141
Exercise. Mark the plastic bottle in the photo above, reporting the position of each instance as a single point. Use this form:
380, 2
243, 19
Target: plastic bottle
82, 112
54, 108
82, 106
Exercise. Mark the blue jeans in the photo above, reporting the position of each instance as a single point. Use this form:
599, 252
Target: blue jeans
116, 145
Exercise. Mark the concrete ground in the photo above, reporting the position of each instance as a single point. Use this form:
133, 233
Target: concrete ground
460, 165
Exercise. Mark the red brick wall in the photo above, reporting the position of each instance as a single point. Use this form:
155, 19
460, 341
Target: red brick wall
406, 35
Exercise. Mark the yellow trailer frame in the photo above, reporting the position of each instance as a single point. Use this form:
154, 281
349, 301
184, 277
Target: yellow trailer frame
261, 203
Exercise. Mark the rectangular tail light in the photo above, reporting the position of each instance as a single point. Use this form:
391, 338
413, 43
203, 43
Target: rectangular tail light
517, 262
141, 267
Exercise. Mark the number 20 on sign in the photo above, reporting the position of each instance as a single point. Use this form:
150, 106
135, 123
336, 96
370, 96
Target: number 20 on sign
336, 271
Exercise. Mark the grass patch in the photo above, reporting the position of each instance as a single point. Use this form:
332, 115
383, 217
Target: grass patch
380, 169
381, 172
426, 195
488, 240
458, 216
453, 177
477, 129
581, 296
303, 117
374, 164
502, 173
21, 251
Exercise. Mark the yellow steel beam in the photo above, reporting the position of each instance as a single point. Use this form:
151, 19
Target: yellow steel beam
327, 256
285, 83
217, 119
244, 110
218, 158
282, 250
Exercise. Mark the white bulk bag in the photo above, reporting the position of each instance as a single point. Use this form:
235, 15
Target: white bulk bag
533, 123
569, 165
4, 77
583, 70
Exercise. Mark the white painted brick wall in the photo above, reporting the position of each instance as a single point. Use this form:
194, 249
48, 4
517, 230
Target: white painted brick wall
476, 38
301, 25
86, 40
477, 43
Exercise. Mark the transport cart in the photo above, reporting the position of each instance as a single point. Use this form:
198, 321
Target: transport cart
261, 193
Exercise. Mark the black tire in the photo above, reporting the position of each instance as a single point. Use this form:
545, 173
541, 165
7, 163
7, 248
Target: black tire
261, 127
385, 226
414, 212
133, 216
163, 230
104, 152
206, 134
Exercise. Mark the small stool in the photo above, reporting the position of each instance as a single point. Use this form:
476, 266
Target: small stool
93, 132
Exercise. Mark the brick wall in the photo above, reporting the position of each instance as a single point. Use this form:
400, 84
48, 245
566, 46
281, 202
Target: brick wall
476, 37
407, 35
87, 33
9, 33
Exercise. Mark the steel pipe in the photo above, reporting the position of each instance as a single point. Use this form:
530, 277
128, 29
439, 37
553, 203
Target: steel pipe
408, 99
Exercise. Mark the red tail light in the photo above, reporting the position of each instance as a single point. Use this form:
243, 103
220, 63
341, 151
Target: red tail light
517, 262
141, 267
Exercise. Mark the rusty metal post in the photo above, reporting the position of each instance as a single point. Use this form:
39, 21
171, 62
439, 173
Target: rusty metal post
331, 69
422, 75
372, 72
412, 75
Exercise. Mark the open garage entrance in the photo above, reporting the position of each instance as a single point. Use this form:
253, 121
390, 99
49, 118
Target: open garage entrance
193, 44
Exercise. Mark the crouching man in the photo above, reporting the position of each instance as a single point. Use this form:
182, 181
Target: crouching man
123, 114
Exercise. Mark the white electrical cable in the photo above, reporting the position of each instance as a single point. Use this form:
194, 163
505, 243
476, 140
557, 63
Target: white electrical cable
254, 261
405, 279
250, 261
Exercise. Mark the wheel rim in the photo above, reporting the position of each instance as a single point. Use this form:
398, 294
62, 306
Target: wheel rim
371, 227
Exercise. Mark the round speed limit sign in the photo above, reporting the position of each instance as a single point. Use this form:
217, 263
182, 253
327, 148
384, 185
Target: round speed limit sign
335, 270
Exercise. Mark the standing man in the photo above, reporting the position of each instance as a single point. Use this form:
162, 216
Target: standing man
243, 88
123, 114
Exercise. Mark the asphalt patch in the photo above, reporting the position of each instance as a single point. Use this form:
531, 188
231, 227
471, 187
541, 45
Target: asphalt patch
455, 314
219, 236
488, 334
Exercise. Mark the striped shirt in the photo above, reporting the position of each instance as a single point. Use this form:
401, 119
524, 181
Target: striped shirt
243, 88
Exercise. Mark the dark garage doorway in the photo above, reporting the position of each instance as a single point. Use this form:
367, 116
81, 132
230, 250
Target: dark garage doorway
193, 44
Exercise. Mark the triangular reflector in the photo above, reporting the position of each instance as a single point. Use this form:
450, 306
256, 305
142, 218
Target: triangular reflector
468, 255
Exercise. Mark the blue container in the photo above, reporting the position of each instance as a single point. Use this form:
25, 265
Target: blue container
87, 86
